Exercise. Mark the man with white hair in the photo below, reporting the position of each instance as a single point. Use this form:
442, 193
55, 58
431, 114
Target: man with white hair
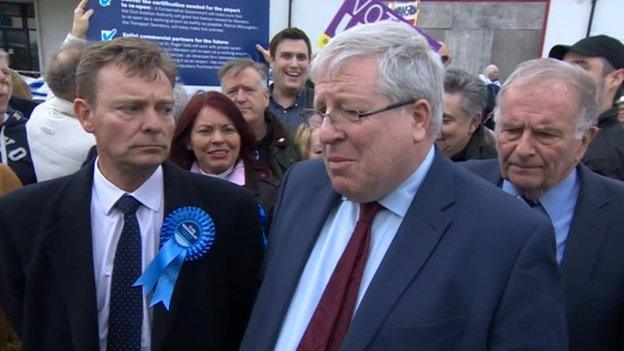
545, 121
393, 252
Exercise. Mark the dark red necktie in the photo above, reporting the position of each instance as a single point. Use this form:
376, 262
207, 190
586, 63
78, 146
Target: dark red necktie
332, 317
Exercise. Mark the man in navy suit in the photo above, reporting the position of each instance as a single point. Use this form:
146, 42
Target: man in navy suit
382, 245
544, 122
71, 249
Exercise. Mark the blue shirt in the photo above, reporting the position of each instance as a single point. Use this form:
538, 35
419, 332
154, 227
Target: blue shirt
290, 116
559, 204
332, 242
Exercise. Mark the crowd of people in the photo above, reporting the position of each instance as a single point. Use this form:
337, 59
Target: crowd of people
376, 196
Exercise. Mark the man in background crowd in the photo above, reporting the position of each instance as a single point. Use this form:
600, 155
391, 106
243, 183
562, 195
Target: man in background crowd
14, 150
491, 78
58, 143
603, 58
490, 75
290, 93
463, 137
545, 122
445, 55
245, 82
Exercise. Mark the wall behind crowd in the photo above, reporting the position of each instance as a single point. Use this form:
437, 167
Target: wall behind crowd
478, 32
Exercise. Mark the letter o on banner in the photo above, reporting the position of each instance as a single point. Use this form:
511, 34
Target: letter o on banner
372, 16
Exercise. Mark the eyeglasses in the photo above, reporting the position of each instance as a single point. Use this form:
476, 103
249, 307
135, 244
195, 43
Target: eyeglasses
315, 118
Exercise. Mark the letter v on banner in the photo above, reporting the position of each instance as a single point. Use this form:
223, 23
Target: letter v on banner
355, 12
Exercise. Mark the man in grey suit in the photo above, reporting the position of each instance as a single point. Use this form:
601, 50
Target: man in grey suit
544, 122
381, 246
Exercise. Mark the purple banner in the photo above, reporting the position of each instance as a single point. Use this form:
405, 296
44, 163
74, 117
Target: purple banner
355, 12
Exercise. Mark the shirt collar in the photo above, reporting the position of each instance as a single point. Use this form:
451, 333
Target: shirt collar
301, 99
63, 106
400, 199
149, 193
555, 199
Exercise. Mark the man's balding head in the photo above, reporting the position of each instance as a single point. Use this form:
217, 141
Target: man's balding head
61, 72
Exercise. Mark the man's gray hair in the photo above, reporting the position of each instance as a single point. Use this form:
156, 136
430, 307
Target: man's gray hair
471, 88
408, 68
180, 99
236, 66
577, 80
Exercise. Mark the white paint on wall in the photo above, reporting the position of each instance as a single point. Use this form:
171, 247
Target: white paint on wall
568, 21
313, 17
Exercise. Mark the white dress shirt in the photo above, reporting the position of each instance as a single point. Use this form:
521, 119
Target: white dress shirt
106, 226
330, 245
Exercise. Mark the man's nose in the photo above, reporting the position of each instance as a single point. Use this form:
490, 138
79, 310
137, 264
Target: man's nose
526, 145
153, 121
328, 133
240, 95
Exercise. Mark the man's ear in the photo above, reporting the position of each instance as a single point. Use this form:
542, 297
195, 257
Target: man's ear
266, 97
271, 63
585, 141
420, 111
83, 112
474, 123
615, 79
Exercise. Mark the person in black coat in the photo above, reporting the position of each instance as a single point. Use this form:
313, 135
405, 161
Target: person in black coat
74, 276
212, 138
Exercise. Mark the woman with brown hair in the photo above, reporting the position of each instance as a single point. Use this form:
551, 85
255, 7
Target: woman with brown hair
212, 138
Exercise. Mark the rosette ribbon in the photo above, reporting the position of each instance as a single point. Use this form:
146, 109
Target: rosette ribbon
186, 235
264, 223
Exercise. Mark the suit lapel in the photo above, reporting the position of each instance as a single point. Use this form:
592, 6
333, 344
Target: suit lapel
419, 233
586, 236
70, 250
177, 194
286, 269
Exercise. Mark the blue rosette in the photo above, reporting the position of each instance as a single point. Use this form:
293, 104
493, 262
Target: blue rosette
186, 234
264, 223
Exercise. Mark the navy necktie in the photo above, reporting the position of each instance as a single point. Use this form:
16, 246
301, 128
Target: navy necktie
126, 302
535, 205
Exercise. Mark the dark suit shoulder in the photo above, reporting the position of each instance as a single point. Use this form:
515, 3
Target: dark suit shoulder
34, 198
476, 165
486, 169
613, 186
479, 201
310, 172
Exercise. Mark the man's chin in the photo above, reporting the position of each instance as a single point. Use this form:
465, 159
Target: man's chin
149, 161
294, 87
